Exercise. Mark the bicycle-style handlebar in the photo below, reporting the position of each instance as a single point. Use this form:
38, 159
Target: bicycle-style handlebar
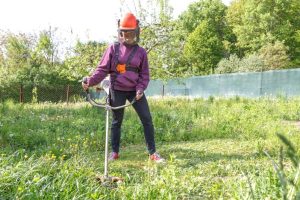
106, 105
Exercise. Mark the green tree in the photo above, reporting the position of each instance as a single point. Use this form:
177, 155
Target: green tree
30, 60
259, 22
83, 60
156, 37
2, 42
296, 60
44, 64
44, 52
203, 49
3, 69
18, 50
208, 45
212, 10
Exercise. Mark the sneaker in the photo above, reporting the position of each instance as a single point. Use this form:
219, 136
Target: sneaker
113, 156
157, 158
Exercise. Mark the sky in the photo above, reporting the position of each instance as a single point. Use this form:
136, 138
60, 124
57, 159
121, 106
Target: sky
82, 19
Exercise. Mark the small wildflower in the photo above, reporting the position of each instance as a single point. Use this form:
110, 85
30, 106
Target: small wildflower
36, 179
63, 157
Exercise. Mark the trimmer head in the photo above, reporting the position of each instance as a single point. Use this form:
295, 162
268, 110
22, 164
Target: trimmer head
109, 181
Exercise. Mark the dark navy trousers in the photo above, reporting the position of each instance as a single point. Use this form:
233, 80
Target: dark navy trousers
118, 98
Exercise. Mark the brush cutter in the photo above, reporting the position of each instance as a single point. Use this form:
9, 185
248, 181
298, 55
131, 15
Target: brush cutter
106, 180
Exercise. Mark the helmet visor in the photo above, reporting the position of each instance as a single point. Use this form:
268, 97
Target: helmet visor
128, 36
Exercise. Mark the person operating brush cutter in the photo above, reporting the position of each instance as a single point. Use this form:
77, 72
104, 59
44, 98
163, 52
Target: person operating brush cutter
127, 64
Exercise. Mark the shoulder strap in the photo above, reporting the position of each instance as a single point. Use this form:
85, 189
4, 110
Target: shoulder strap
116, 59
132, 53
114, 72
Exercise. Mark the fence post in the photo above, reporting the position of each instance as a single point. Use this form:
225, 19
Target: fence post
68, 91
21, 94
163, 90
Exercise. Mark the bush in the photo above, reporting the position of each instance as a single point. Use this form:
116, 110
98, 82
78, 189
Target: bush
229, 65
274, 56
252, 63
269, 57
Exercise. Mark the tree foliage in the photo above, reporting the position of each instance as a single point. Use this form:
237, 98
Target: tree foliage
16, 56
83, 60
269, 57
203, 49
209, 38
156, 37
229, 65
30, 60
259, 22
274, 56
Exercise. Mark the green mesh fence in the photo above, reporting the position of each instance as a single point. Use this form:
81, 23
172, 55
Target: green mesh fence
257, 84
252, 85
155, 88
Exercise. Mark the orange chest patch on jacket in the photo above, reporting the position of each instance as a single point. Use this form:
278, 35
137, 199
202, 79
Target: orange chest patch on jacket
121, 68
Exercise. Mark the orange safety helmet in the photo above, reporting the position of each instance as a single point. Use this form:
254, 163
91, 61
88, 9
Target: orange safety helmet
129, 23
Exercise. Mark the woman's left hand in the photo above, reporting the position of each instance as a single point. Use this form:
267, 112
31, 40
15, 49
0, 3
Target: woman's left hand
139, 95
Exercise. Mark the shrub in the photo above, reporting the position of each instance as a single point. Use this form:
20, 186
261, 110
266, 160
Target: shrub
274, 56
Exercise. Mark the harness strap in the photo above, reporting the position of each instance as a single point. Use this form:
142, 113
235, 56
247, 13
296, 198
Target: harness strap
114, 74
132, 69
132, 53
128, 67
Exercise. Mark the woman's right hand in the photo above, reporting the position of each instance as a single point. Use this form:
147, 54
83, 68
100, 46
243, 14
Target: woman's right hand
84, 84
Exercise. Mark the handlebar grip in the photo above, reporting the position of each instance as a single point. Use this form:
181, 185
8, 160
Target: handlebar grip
85, 81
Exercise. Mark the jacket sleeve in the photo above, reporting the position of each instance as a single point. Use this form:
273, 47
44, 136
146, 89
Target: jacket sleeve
102, 69
144, 76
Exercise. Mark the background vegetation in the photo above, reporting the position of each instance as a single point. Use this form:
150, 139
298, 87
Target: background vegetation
209, 37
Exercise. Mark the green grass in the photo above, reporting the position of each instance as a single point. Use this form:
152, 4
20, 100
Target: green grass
214, 150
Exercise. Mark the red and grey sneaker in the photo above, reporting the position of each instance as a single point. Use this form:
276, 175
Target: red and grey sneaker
113, 156
157, 158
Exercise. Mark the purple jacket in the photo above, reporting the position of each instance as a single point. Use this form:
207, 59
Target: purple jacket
128, 81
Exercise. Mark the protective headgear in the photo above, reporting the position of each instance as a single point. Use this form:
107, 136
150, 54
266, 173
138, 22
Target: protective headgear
129, 23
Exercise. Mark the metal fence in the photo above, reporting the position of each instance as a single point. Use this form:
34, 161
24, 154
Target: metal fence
25, 94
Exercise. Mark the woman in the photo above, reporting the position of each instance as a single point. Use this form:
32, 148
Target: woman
127, 64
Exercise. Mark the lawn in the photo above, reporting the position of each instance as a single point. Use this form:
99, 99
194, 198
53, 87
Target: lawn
215, 149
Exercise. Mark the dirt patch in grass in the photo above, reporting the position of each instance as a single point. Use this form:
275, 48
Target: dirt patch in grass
294, 123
